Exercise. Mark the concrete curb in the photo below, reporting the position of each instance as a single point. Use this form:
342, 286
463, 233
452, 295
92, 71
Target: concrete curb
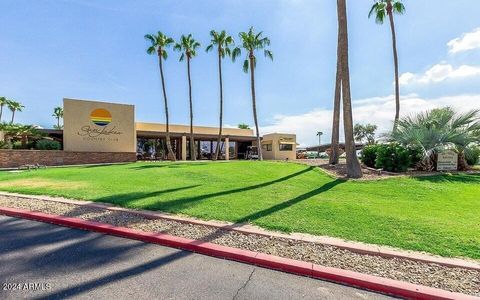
355, 247
378, 284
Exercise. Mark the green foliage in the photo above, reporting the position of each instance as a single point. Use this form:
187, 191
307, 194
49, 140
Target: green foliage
365, 133
436, 130
243, 126
158, 44
188, 46
222, 41
393, 157
251, 42
381, 9
369, 155
48, 145
472, 155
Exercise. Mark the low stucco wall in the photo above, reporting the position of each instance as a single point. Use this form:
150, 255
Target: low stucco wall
17, 158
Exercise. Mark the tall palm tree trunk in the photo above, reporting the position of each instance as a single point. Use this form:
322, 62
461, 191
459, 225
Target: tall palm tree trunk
171, 155
334, 155
395, 61
192, 140
353, 165
13, 116
1, 113
219, 140
254, 104
58, 122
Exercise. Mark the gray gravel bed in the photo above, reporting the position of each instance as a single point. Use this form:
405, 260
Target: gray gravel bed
452, 279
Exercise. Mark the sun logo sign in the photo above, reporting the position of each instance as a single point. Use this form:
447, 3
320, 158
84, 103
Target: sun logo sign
101, 117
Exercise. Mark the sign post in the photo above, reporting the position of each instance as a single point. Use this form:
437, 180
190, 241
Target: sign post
447, 161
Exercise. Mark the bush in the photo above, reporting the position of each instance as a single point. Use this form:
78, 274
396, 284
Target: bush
369, 155
416, 155
393, 158
472, 155
48, 145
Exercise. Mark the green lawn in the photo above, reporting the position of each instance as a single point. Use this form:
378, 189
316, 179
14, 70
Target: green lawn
439, 214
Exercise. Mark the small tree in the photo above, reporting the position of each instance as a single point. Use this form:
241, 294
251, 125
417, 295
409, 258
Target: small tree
365, 133
3, 102
243, 126
58, 114
14, 106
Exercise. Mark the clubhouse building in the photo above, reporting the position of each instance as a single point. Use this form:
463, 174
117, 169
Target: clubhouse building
110, 130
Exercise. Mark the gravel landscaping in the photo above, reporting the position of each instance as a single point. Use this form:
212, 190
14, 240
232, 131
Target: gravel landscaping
452, 279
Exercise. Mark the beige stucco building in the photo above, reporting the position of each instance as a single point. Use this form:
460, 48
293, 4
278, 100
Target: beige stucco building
93, 126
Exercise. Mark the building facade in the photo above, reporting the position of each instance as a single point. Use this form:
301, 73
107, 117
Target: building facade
93, 126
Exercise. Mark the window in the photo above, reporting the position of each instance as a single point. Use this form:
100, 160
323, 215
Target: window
286, 147
267, 147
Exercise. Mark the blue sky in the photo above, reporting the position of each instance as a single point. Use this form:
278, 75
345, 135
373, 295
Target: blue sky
94, 49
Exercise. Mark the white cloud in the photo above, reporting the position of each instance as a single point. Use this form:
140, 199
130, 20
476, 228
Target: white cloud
440, 72
378, 110
468, 41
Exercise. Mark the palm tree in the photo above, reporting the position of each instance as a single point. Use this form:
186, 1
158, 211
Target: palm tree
353, 165
14, 107
243, 126
188, 47
252, 42
159, 43
335, 149
58, 114
3, 102
439, 129
222, 41
381, 9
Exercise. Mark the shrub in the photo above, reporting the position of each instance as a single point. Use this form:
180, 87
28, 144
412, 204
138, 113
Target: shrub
393, 158
472, 155
416, 155
48, 145
369, 155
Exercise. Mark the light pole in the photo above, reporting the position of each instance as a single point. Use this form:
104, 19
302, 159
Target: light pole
319, 134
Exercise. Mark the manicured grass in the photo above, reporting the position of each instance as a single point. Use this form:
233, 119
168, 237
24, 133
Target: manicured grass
438, 214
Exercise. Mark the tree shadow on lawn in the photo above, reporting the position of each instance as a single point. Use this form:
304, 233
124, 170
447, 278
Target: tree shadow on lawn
155, 165
156, 263
178, 204
134, 196
451, 178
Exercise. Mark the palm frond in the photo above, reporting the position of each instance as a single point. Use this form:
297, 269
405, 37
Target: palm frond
245, 66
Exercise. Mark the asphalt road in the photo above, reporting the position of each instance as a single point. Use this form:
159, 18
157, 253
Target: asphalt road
48, 261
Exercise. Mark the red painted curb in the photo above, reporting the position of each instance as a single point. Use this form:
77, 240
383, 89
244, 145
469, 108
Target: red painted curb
373, 283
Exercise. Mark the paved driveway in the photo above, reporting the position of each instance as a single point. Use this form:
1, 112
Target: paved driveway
57, 262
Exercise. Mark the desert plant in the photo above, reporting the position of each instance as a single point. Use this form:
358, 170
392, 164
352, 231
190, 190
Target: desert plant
438, 129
